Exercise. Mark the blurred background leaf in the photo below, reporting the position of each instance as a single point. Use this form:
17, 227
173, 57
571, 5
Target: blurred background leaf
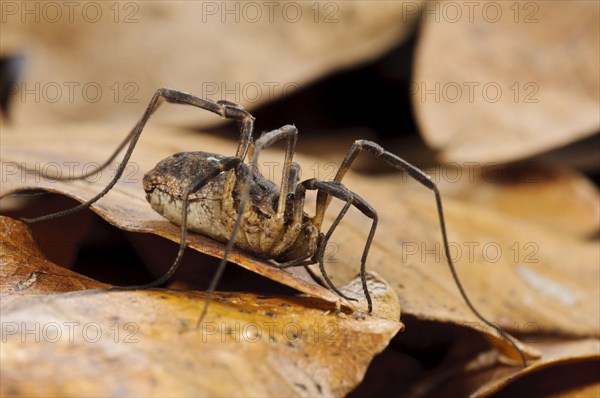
514, 171
249, 53
514, 79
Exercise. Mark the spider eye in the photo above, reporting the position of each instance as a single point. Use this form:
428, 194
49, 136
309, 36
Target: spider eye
291, 196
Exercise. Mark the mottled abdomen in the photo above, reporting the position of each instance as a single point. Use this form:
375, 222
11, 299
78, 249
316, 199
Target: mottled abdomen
212, 209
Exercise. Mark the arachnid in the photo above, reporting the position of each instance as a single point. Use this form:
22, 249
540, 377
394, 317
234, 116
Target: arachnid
227, 199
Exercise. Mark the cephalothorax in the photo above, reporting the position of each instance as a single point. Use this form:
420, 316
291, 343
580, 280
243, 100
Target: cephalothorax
226, 198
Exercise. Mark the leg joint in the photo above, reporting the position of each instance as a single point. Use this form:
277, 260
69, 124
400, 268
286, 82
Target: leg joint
370, 146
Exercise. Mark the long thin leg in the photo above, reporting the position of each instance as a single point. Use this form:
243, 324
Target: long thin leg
294, 214
318, 255
338, 190
224, 109
290, 170
314, 276
217, 168
377, 151
91, 172
286, 132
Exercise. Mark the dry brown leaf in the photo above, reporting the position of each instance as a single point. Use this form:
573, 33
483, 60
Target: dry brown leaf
248, 346
98, 342
502, 81
554, 354
23, 266
80, 68
528, 192
568, 305
589, 390
566, 365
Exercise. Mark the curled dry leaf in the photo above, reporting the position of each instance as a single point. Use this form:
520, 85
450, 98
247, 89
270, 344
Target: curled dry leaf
249, 53
98, 342
528, 192
23, 266
566, 364
520, 78
145, 343
555, 354
406, 249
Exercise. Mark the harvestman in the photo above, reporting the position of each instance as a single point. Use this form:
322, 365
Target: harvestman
208, 193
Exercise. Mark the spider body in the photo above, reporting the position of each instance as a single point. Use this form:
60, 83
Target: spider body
213, 208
